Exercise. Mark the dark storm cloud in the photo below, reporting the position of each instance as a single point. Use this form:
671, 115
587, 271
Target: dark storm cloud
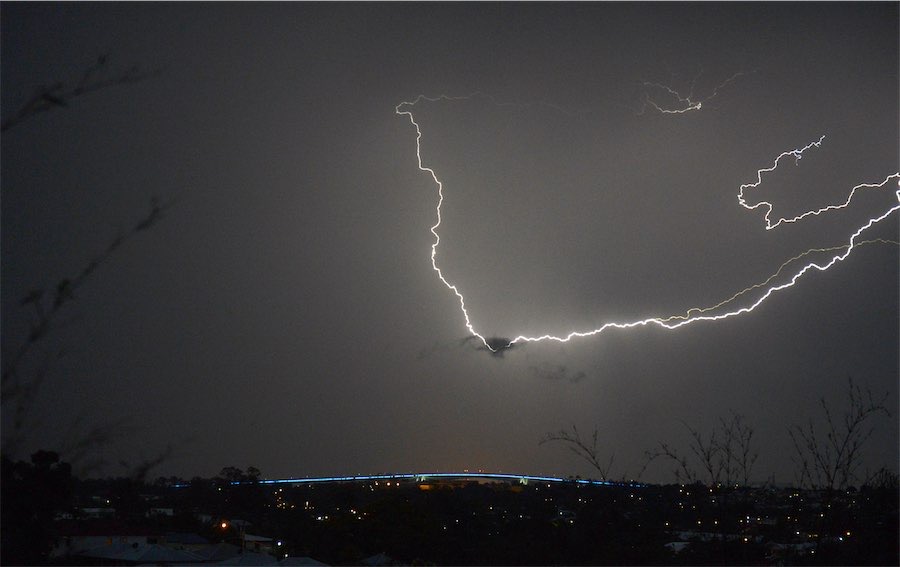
554, 372
495, 346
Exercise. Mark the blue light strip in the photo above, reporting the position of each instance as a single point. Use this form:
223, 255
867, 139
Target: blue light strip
436, 475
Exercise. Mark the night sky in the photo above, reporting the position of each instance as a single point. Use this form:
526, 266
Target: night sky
284, 312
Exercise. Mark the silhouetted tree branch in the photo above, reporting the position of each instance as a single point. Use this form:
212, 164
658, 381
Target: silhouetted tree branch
59, 95
883, 479
17, 391
18, 386
140, 471
726, 454
741, 456
708, 452
682, 472
589, 453
829, 458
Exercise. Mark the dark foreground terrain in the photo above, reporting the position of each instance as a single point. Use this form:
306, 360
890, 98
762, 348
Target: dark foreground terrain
51, 518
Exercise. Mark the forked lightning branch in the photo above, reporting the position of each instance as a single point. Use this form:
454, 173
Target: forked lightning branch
716, 312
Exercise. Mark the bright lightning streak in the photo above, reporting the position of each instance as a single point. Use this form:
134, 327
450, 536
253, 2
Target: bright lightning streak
674, 321
665, 323
777, 273
437, 237
798, 155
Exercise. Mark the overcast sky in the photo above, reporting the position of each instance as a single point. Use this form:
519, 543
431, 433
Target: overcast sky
285, 314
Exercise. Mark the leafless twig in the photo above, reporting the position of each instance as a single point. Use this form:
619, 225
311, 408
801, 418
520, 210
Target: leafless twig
723, 455
59, 95
829, 459
588, 452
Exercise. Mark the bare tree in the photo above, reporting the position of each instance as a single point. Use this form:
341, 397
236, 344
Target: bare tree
829, 458
682, 472
737, 449
725, 455
708, 452
588, 452
883, 479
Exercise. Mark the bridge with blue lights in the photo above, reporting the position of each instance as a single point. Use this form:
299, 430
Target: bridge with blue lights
458, 476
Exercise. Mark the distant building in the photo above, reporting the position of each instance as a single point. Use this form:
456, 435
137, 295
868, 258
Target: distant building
677, 546
250, 558
139, 554
260, 544
378, 560
95, 513
213, 553
301, 562
186, 541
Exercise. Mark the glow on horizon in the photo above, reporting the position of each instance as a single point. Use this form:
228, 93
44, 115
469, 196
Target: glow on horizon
673, 321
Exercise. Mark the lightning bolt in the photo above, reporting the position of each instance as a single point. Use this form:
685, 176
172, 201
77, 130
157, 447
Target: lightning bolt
695, 314
777, 273
686, 103
440, 186
798, 155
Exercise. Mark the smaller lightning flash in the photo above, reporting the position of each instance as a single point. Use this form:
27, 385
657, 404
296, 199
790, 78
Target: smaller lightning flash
680, 104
